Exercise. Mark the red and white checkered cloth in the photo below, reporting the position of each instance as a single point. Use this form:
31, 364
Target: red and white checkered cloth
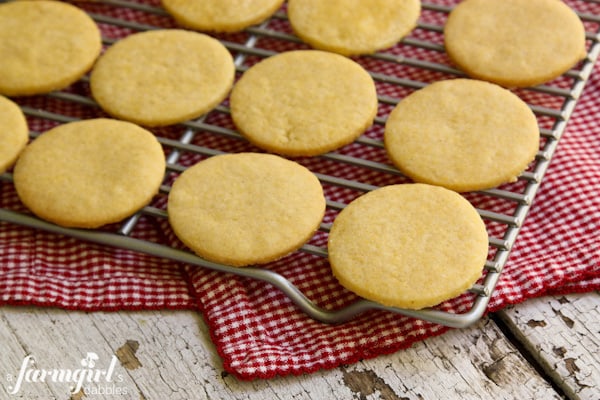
257, 330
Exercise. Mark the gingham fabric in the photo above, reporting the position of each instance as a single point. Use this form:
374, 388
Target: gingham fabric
257, 330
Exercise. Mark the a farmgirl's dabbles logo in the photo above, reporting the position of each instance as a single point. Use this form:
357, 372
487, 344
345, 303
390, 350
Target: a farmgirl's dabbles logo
91, 378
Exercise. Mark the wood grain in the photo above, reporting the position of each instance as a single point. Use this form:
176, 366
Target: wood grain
167, 354
562, 333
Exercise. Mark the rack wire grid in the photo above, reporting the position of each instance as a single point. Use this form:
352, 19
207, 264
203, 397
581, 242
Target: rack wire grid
416, 61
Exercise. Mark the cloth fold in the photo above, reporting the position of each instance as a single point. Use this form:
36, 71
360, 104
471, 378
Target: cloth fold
257, 330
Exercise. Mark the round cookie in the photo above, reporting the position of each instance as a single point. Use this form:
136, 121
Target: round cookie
44, 46
89, 173
220, 15
409, 246
353, 27
245, 208
14, 133
162, 77
514, 43
303, 102
462, 134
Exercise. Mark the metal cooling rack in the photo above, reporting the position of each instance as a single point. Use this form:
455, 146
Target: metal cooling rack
555, 121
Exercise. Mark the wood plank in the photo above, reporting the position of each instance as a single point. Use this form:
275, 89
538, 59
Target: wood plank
474, 363
563, 334
12, 353
165, 354
58, 340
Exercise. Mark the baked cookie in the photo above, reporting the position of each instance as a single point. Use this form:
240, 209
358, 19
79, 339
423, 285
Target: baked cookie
462, 134
514, 43
44, 46
220, 15
353, 27
409, 246
303, 102
245, 208
89, 173
162, 77
14, 133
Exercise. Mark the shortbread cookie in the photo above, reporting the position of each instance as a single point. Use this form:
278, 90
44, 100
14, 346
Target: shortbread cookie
220, 15
14, 133
89, 173
246, 208
303, 102
162, 77
353, 27
462, 134
44, 46
409, 246
514, 43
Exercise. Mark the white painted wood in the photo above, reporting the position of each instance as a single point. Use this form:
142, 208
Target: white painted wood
563, 334
475, 363
13, 351
57, 340
168, 354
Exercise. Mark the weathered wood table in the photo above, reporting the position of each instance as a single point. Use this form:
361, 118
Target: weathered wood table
546, 348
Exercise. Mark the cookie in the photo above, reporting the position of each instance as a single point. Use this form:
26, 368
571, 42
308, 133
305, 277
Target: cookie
246, 208
409, 246
303, 102
462, 134
162, 77
44, 46
14, 133
89, 173
220, 15
353, 27
514, 43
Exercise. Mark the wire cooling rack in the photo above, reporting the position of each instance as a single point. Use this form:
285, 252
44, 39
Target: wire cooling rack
418, 60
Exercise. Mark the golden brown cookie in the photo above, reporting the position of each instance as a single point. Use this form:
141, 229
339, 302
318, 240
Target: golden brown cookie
14, 133
514, 43
353, 27
409, 246
44, 46
245, 208
89, 173
162, 77
462, 134
303, 102
220, 15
